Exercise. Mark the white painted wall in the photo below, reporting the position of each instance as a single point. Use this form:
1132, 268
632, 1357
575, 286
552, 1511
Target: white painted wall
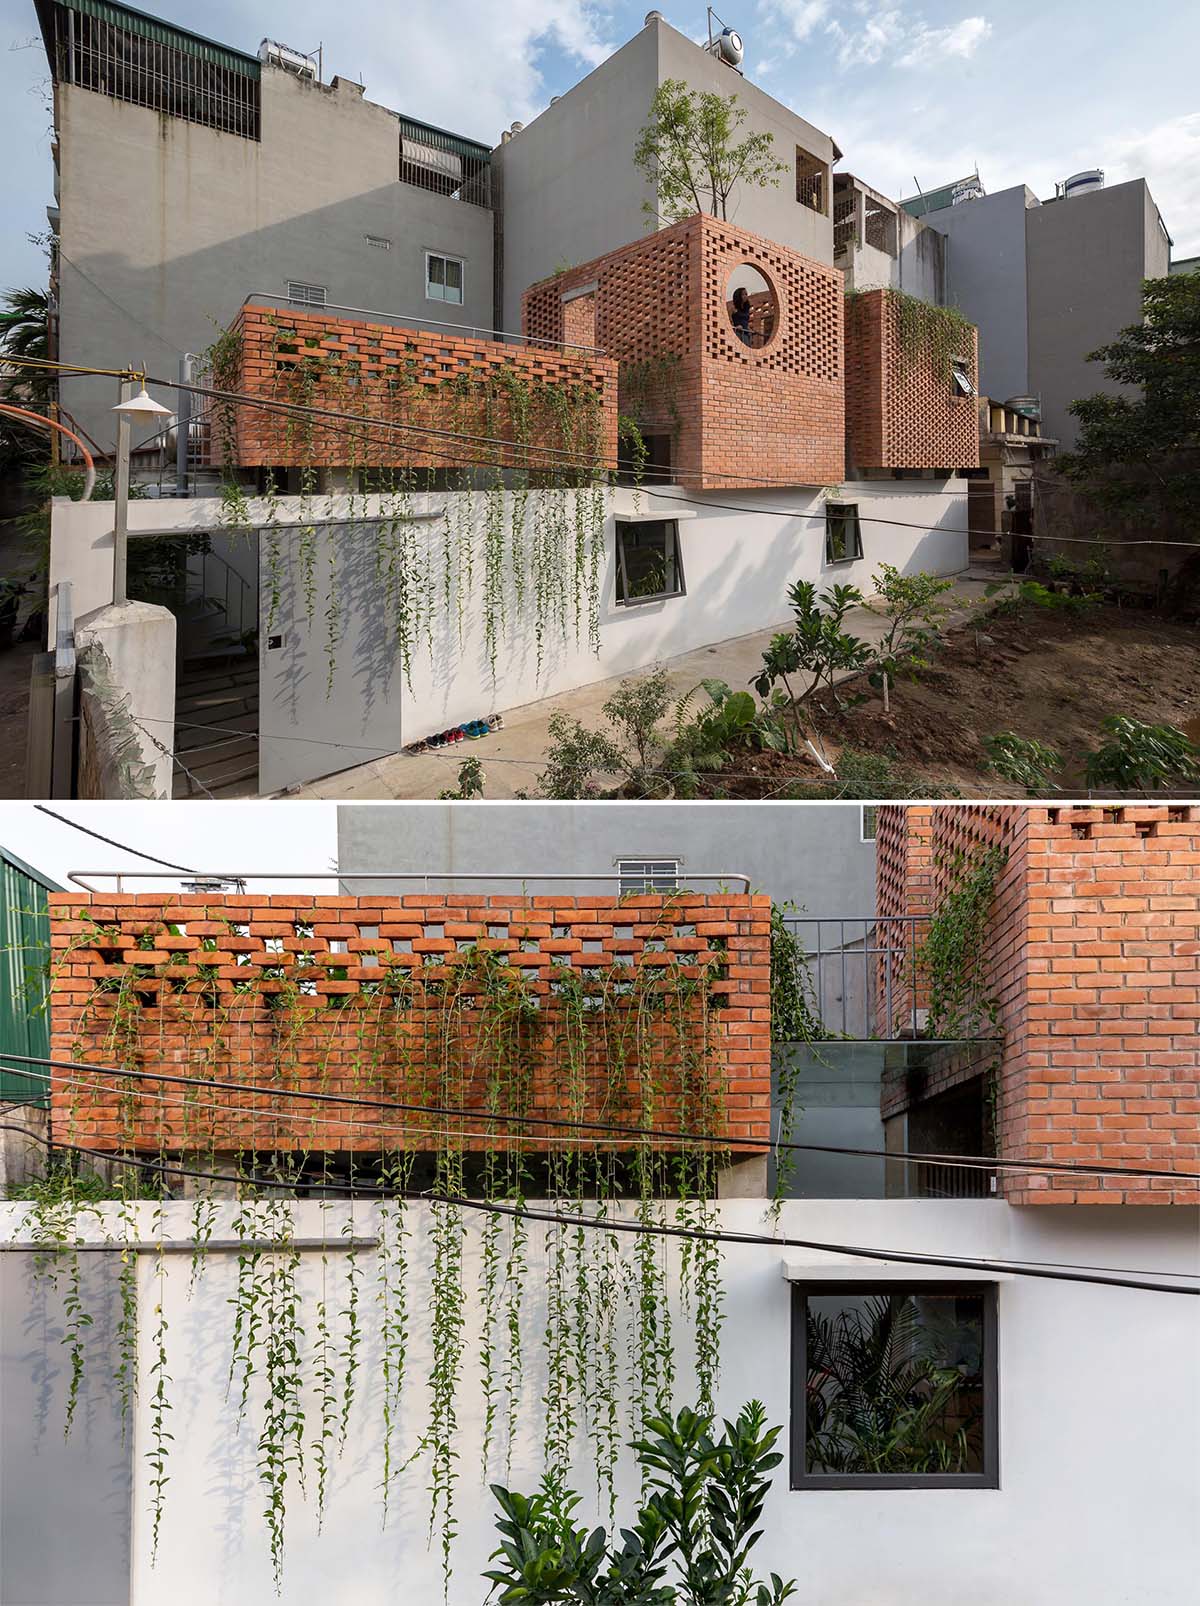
1099, 1419
738, 559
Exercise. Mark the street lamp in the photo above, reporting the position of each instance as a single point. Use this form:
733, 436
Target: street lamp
145, 409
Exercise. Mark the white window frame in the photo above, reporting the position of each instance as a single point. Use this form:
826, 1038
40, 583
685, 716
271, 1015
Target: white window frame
868, 815
638, 876
961, 382
444, 257
854, 534
307, 295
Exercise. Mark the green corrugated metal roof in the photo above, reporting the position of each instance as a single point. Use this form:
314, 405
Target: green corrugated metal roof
933, 200
166, 33
442, 138
24, 969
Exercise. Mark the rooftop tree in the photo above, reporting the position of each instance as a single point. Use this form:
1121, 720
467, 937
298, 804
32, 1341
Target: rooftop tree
692, 156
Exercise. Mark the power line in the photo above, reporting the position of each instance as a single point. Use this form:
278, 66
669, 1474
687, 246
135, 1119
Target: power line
634, 1227
109, 841
608, 1128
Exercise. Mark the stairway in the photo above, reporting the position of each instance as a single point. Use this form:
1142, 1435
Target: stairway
217, 689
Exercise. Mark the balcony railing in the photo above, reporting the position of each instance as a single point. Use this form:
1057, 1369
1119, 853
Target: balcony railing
866, 976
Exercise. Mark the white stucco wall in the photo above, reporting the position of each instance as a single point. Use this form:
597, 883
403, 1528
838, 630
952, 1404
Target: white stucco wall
1099, 1419
741, 551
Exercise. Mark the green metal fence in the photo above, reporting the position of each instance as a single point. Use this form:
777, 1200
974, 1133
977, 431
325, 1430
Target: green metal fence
24, 970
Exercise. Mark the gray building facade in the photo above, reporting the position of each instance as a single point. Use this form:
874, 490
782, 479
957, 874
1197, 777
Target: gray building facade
1048, 282
817, 856
571, 191
188, 180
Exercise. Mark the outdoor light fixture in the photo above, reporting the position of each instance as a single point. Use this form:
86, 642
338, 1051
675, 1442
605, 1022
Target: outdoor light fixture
142, 406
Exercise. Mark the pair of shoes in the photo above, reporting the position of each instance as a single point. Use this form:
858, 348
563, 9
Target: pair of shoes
417, 747
494, 721
475, 728
444, 737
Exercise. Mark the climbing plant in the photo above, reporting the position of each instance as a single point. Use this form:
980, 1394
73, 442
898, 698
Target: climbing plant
511, 465
927, 333
482, 1028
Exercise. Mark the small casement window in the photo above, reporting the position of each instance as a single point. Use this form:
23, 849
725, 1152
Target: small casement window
869, 821
960, 377
843, 535
894, 1386
648, 875
649, 562
812, 181
443, 278
307, 295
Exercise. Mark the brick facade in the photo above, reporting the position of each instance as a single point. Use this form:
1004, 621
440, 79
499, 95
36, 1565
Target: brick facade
379, 1004
1093, 956
423, 381
901, 412
737, 415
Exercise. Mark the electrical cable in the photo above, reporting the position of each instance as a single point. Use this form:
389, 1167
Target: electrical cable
110, 842
632, 1227
313, 1123
657, 1134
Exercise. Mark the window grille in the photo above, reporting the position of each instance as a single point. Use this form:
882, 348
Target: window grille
307, 295
812, 180
881, 227
434, 160
648, 875
134, 58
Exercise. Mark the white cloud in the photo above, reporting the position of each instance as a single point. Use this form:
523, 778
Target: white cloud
801, 17
1167, 156
874, 34
961, 39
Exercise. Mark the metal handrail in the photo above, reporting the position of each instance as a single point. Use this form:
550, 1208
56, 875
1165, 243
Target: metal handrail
80, 877
403, 320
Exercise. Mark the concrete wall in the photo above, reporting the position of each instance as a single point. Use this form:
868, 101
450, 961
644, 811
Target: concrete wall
167, 226
571, 191
985, 279
1099, 1419
737, 567
65, 1503
809, 854
1087, 258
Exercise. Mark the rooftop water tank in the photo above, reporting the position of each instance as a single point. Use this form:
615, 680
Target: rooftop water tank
1092, 178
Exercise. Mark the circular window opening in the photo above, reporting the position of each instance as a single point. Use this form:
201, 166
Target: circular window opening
752, 306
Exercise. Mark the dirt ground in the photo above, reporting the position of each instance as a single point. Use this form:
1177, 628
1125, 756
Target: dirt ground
1040, 672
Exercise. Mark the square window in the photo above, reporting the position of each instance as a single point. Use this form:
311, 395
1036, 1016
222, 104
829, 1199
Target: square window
649, 562
648, 875
443, 278
812, 181
894, 1386
307, 295
843, 535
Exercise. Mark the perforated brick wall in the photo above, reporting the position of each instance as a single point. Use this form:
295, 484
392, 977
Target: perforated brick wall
738, 415
901, 412
418, 381
360, 996
1093, 954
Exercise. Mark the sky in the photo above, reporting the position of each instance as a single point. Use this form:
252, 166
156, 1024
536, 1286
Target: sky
1030, 93
234, 837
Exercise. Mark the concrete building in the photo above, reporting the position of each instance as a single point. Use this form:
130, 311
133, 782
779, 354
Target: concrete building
1046, 283
177, 195
821, 858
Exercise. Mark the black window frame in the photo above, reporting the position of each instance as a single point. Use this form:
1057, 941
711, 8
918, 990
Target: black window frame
621, 526
850, 508
802, 1480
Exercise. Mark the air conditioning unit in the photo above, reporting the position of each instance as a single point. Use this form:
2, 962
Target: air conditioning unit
293, 61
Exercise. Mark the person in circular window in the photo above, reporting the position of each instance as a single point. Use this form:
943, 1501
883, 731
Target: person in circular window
740, 316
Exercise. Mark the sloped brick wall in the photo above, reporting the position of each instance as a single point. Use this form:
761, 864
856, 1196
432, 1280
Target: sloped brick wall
738, 415
352, 996
900, 411
1093, 954
423, 381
